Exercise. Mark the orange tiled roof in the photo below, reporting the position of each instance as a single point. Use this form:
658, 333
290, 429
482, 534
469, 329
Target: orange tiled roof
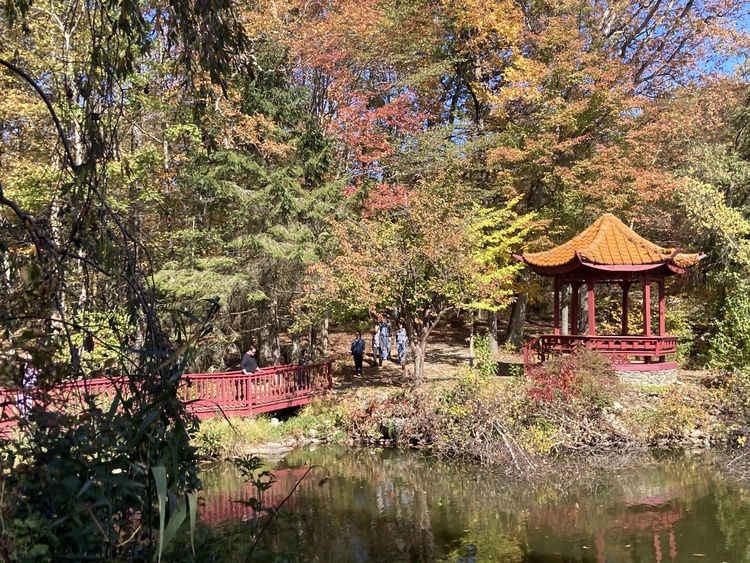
609, 241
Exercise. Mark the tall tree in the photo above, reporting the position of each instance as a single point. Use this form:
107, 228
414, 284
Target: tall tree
425, 251
77, 280
249, 208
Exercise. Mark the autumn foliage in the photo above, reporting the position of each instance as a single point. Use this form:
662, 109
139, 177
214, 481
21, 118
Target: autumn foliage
584, 376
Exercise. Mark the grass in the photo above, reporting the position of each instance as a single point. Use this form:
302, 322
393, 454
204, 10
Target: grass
219, 438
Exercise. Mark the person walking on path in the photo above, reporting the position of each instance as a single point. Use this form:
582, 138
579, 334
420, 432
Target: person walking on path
28, 381
357, 350
385, 339
377, 360
401, 340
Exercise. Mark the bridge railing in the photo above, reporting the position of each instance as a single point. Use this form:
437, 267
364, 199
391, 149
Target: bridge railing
205, 394
270, 388
10, 403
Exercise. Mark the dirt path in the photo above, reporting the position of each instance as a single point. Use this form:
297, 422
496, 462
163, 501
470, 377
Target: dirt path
447, 350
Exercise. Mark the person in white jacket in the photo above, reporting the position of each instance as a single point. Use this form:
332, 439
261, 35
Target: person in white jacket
377, 359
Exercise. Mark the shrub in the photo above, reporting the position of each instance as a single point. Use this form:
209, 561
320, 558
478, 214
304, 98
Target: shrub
731, 396
486, 365
737, 395
323, 415
585, 377
679, 321
219, 438
671, 414
408, 417
730, 344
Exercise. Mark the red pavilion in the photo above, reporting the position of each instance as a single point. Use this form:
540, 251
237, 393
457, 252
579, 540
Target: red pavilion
609, 252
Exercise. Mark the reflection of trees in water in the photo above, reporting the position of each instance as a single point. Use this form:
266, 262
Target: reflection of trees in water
382, 505
733, 517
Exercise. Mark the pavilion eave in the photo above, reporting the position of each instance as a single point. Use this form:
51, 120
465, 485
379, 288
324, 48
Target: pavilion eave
581, 269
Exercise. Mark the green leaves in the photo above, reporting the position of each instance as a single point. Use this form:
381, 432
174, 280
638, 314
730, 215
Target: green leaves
498, 233
726, 229
185, 505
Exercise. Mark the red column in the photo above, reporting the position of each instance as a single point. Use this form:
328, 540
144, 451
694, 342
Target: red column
592, 310
556, 315
575, 304
647, 311
647, 305
662, 311
662, 317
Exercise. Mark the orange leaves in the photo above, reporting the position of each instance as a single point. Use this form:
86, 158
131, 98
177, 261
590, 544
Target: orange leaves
414, 247
237, 129
342, 54
384, 197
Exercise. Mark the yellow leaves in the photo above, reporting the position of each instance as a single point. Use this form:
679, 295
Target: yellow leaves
522, 84
501, 20
496, 234
706, 210
265, 17
19, 102
489, 34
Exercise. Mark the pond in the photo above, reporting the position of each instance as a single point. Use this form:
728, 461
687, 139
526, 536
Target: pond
359, 505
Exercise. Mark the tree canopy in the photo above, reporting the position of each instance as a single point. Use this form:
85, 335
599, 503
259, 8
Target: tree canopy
231, 172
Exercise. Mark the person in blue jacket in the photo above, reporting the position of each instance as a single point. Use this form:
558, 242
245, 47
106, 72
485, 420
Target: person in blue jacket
357, 350
401, 341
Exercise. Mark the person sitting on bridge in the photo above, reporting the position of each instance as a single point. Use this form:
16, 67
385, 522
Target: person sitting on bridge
249, 364
303, 375
304, 358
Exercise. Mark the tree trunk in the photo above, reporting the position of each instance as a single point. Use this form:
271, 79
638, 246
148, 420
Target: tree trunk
418, 326
324, 335
583, 315
492, 330
565, 310
269, 351
312, 342
296, 347
418, 351
514, 334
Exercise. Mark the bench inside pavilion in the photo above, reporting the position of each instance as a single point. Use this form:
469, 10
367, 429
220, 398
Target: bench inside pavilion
610, 252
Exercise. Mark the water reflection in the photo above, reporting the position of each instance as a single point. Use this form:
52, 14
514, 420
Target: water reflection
384, 505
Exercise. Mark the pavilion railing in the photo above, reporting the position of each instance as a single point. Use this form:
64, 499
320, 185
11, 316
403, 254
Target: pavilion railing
544, 346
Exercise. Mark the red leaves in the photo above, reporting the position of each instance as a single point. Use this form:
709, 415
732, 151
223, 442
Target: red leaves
549, 385
384, 197
584, 376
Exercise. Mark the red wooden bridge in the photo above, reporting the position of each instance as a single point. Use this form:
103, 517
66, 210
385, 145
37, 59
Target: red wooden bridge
205, 394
